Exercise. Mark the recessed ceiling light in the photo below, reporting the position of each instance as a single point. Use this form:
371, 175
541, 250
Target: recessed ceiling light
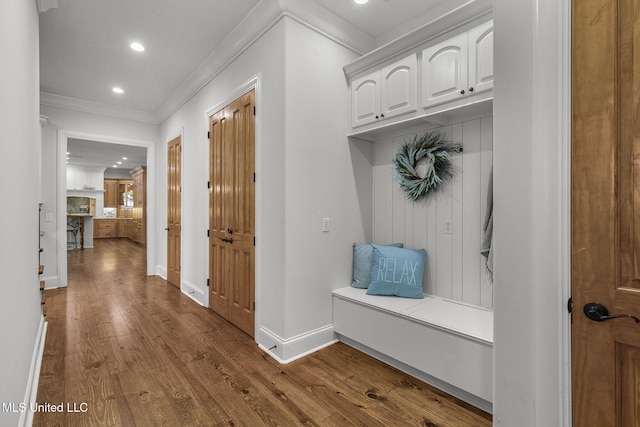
124, 158
115, 166
361, 1
137, 47
119, 163
118, 90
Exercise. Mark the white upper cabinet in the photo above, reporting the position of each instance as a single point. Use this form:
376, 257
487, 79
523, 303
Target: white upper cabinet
365, 99
399, 81
458, 67
85, 177
385, 93
445, 71
481, 57
436, 74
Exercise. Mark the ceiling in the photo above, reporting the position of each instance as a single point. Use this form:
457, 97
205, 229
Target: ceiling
84, 44
91, 153
84, 51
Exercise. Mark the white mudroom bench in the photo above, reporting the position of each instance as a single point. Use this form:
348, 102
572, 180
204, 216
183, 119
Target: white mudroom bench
445, 343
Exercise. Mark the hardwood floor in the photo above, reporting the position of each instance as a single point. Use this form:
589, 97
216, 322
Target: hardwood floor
124, 349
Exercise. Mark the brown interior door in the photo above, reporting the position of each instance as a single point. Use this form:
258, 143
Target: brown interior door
605, 203
232, 213
174, 210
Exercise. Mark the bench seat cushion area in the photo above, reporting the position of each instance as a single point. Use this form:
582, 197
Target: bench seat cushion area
442, 342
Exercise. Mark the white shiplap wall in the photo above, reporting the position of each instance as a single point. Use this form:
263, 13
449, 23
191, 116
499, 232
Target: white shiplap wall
454, 269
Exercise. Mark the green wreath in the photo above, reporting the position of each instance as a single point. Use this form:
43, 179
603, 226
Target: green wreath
439, 167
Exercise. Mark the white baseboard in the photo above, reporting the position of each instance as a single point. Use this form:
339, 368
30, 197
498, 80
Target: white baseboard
161, 271
26, 417
193, 292
286, 350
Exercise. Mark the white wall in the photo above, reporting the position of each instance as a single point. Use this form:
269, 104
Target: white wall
531, 208
19, 119
454, 268
325, 177
305, 171
64, 122
266, 58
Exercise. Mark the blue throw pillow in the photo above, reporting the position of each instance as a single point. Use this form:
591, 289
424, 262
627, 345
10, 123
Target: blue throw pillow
362, 254
397, 271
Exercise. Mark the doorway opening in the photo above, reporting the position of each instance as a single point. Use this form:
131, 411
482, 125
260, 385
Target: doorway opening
78, 161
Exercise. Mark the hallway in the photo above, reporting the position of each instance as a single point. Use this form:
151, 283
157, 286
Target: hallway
124, 349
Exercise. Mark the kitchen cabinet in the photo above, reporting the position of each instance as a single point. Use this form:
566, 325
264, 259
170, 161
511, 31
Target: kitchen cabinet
105, 228
436, 75
124, 189
111, 193
85, 177
123, 227
139, 226
461, 66
385, 93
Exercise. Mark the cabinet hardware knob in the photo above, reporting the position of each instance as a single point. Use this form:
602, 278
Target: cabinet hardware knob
470, 89
381, 115
462, 92
377, 117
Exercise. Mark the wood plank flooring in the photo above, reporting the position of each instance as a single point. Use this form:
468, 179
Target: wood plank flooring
124, 349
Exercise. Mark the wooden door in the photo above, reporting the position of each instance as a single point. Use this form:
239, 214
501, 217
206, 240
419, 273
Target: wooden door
605, 203
174, 209
444, 71
232, 213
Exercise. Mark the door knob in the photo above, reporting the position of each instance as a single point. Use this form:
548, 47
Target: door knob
599, 313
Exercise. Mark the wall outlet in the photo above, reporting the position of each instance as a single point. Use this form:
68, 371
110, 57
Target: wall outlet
326, 225
48, 217
448, 227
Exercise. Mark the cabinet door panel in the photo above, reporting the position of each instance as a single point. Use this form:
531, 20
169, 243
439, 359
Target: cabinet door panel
444, 70
365, 99
399, 81
481, 58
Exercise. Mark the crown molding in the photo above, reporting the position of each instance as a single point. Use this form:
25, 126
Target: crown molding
470, 12
264, 16
43, 120
82, 105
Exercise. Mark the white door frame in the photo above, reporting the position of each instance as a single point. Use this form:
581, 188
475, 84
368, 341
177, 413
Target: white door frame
61, 196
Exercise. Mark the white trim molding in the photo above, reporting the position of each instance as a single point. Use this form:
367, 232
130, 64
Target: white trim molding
26, 417
82, 105
194, 292
286, 350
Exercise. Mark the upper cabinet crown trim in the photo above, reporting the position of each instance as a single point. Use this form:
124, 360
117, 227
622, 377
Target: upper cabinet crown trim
467, 15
